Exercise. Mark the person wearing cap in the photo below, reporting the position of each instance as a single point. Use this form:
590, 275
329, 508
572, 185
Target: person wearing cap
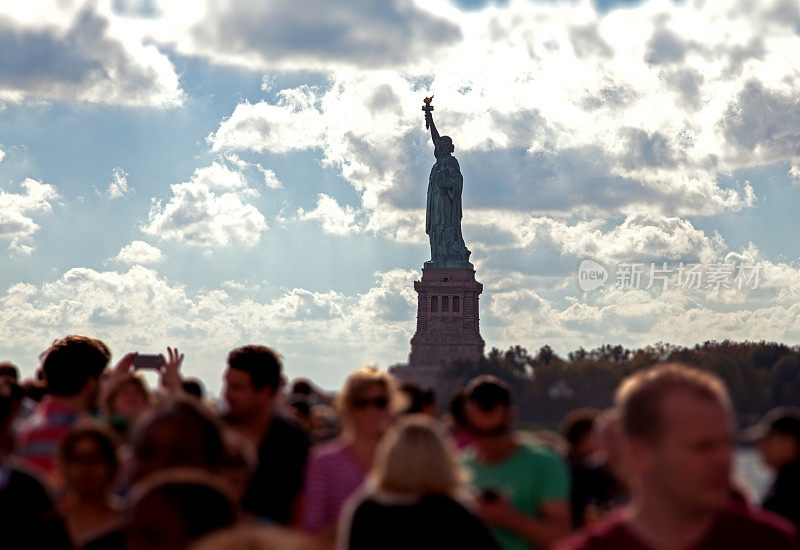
778, 437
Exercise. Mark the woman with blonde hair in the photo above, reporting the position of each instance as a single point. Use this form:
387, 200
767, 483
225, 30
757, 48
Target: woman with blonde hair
414, 495
335, 470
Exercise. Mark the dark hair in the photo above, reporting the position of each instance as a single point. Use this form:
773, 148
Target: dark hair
115, 387
301, 386
34, 389
488, 392
194, 421
456, 409
7, 368
577, 424
100, 436
10, 396
72, 361
300, 405
201, 505
194, 387
419, 397
262, 363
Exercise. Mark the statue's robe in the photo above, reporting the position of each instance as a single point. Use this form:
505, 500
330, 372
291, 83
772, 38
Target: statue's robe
443, 212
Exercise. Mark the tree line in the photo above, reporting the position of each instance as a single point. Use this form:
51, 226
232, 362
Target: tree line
759, 375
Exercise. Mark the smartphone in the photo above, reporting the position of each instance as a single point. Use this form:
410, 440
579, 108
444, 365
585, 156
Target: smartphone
145, 361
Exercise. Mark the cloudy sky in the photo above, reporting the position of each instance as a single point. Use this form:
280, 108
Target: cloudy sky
209, 174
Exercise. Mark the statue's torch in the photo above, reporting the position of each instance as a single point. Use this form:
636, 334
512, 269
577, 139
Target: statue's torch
427, 108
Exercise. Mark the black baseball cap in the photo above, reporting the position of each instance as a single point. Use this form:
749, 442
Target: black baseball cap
780, 420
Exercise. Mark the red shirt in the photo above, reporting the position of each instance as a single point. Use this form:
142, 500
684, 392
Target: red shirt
736, 528
38, 439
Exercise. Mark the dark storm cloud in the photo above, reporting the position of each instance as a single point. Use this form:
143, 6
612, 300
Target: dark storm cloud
764, 120
359, 32
81, 61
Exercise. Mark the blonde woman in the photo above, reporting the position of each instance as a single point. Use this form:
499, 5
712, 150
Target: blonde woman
413, 496
336, 470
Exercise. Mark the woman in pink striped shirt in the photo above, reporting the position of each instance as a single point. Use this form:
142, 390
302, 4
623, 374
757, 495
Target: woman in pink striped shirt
337, 469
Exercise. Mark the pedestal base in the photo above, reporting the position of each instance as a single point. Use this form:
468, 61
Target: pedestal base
447, 317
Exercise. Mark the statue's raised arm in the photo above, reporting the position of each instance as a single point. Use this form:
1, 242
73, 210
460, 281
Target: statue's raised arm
428, 108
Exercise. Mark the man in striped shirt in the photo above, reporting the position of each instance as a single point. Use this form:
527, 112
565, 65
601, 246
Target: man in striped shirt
72, 368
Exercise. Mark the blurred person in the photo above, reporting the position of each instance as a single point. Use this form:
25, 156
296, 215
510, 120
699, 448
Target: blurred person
303, 387
33, 391
778, 438
609, 433
457, 420
127, 398
577, 428
238, 464
9, 372
337, 469
300, 409
178, 432
194, 387
89, 465
678, 435
254, 537
169, 375
420, 399
28, 517
413, 495
595, 490
551, 440
72, 367
251, 389
175, 508
326, 423
524, 487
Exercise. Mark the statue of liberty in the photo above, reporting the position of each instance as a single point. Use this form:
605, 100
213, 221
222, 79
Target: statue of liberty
443, 211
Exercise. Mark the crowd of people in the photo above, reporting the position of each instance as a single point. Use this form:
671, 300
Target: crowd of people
92, 457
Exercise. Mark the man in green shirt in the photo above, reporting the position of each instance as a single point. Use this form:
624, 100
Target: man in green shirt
524, 487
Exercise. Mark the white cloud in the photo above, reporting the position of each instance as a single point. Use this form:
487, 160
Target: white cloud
142, 310
119, 185
240, 286
325, 334
794, 170
80, 52
139, 252
641, 317
2, 155
562, 111
640, 237
270, 178
292, 123
16, 222
333, 218
208, 210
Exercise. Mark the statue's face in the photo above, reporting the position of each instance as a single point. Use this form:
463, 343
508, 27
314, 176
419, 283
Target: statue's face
446, 147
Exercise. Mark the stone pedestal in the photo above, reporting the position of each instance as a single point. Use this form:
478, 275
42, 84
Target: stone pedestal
447, 318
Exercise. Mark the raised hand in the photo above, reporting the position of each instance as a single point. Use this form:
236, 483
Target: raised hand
123, 367
170, 375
